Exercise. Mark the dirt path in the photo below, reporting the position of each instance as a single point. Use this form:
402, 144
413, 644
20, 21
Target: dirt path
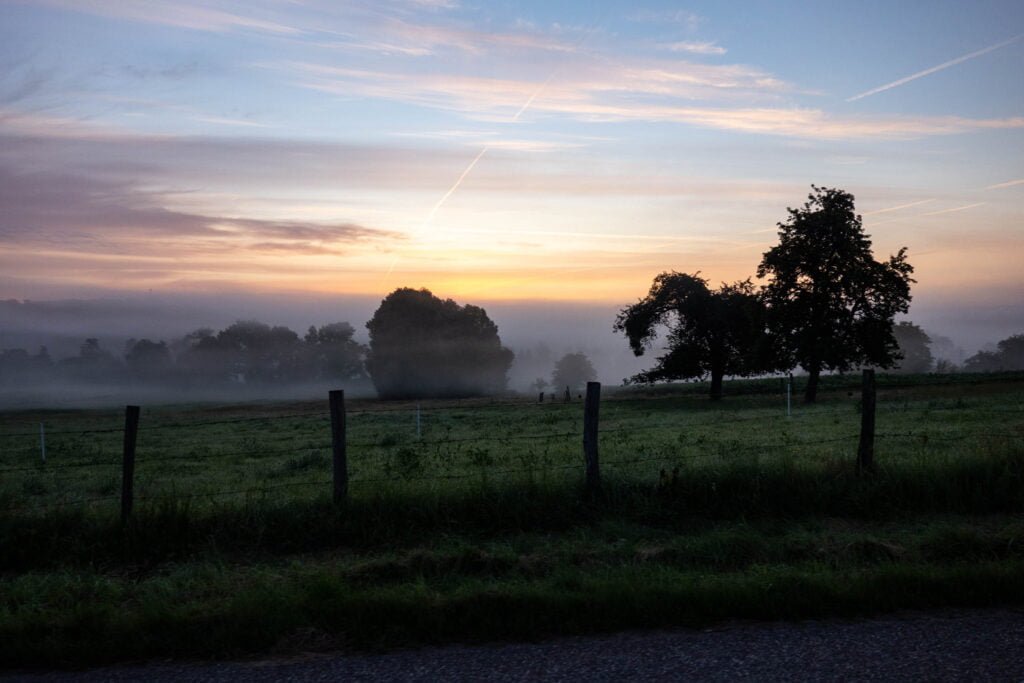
953, 645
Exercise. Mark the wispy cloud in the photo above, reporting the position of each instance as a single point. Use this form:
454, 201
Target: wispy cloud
107, 216
696, 48
199, 17
1008, 183
954, 209
934, 69
679, 17
612, 96
226, 121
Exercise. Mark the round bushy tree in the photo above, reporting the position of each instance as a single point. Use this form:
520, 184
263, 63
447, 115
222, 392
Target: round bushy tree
422, 346
573, 370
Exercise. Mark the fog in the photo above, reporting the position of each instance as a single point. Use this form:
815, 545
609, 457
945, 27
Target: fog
538, 332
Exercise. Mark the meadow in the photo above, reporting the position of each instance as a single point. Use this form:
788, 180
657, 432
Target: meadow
466, 520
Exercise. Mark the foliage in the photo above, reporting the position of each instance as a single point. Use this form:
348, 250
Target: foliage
573, 370
249, 352
424, 346
914, 348
716, 333
92, 364
333, 354
18, 365
1009, 355
148, 360
829, 300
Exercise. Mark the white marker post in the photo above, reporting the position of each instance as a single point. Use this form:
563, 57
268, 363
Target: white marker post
42, 441
417, 420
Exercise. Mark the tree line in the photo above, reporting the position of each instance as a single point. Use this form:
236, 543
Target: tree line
248, 352
827, 306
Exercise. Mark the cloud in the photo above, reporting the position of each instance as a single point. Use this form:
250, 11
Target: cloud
393, 35
586, 84
705, 48
679, 17
181, 15
69, 211
236, 123
934, 69
637, 92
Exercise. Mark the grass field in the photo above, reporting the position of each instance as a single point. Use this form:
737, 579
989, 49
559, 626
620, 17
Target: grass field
476, 528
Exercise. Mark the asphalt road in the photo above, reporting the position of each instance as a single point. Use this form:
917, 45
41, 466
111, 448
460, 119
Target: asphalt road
961, 645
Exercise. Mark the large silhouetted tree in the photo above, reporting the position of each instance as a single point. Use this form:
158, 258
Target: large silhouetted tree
709, 332
423, 346
831, 303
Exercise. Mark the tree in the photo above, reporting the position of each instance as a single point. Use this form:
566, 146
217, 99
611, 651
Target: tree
830, 302
147, 359
1009, 355
259, 352
334, 354
915, 348
92, 364
423, 346
573, 370
716, 333
1011, 350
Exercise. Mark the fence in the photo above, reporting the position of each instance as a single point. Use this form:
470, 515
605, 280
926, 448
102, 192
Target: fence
318, 432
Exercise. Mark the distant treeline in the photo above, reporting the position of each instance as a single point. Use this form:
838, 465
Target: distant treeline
247, 352
252, 352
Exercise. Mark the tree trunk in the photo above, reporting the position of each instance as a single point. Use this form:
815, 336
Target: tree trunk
716, 385
811, 393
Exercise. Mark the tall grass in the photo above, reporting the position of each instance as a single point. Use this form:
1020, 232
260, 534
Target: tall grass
974, 483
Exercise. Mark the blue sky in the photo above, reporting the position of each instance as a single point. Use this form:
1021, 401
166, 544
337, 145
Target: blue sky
501, 150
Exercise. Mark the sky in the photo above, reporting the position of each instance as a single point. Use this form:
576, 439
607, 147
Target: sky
499, 151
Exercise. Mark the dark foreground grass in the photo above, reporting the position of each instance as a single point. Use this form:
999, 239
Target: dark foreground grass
204, 611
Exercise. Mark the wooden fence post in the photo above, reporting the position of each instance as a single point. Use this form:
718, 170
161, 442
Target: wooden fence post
131, 432
340, 457
866, 447
590, 420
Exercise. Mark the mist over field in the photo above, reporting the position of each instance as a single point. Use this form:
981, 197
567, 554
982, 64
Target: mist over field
539, 333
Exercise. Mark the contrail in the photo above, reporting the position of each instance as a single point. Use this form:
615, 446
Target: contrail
455, 186
954, 209
538, 91
940, 67
898, 208
1008, 183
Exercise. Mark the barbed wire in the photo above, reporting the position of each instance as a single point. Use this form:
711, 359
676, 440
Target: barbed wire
265, 488
76, 432
716, 446
59, 504
236, 420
